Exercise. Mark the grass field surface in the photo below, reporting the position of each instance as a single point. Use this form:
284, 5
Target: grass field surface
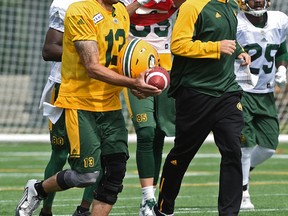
198, 195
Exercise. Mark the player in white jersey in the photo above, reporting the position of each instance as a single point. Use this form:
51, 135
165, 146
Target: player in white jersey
262, 34
52, 51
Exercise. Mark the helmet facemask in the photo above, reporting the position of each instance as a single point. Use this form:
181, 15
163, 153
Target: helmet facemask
244, 6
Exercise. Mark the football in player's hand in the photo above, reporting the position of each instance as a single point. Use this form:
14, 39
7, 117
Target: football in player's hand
158, 77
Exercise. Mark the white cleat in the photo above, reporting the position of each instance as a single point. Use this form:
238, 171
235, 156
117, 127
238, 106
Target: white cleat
246, 203
29, 201
146, 208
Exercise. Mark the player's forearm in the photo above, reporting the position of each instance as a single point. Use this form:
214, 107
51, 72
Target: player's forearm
53, 52
89, 55
104, 74
282, 60
281, 57
52, 49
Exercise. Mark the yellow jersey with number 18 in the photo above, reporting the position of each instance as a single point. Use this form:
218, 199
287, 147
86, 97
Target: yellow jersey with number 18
88, 20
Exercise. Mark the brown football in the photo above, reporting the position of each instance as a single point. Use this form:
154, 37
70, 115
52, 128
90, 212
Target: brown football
158, 77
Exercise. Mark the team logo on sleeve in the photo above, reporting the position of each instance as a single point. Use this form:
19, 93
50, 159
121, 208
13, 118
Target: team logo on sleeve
80, 22
218, 15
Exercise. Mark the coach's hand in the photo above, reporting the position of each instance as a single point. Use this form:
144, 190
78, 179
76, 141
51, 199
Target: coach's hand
227, 47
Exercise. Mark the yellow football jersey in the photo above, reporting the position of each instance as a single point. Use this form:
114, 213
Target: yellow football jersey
88, 20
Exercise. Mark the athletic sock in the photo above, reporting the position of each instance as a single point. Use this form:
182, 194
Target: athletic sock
40, 190
81, 209
147, 193
245, 187
44, 214
245, 160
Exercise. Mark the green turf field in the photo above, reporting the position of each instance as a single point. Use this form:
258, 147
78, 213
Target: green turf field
198, 195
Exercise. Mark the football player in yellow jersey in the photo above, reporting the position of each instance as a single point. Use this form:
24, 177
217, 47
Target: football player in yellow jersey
95, 31
52, 51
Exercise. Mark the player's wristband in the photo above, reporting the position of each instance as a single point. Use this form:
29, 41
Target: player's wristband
281, 69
